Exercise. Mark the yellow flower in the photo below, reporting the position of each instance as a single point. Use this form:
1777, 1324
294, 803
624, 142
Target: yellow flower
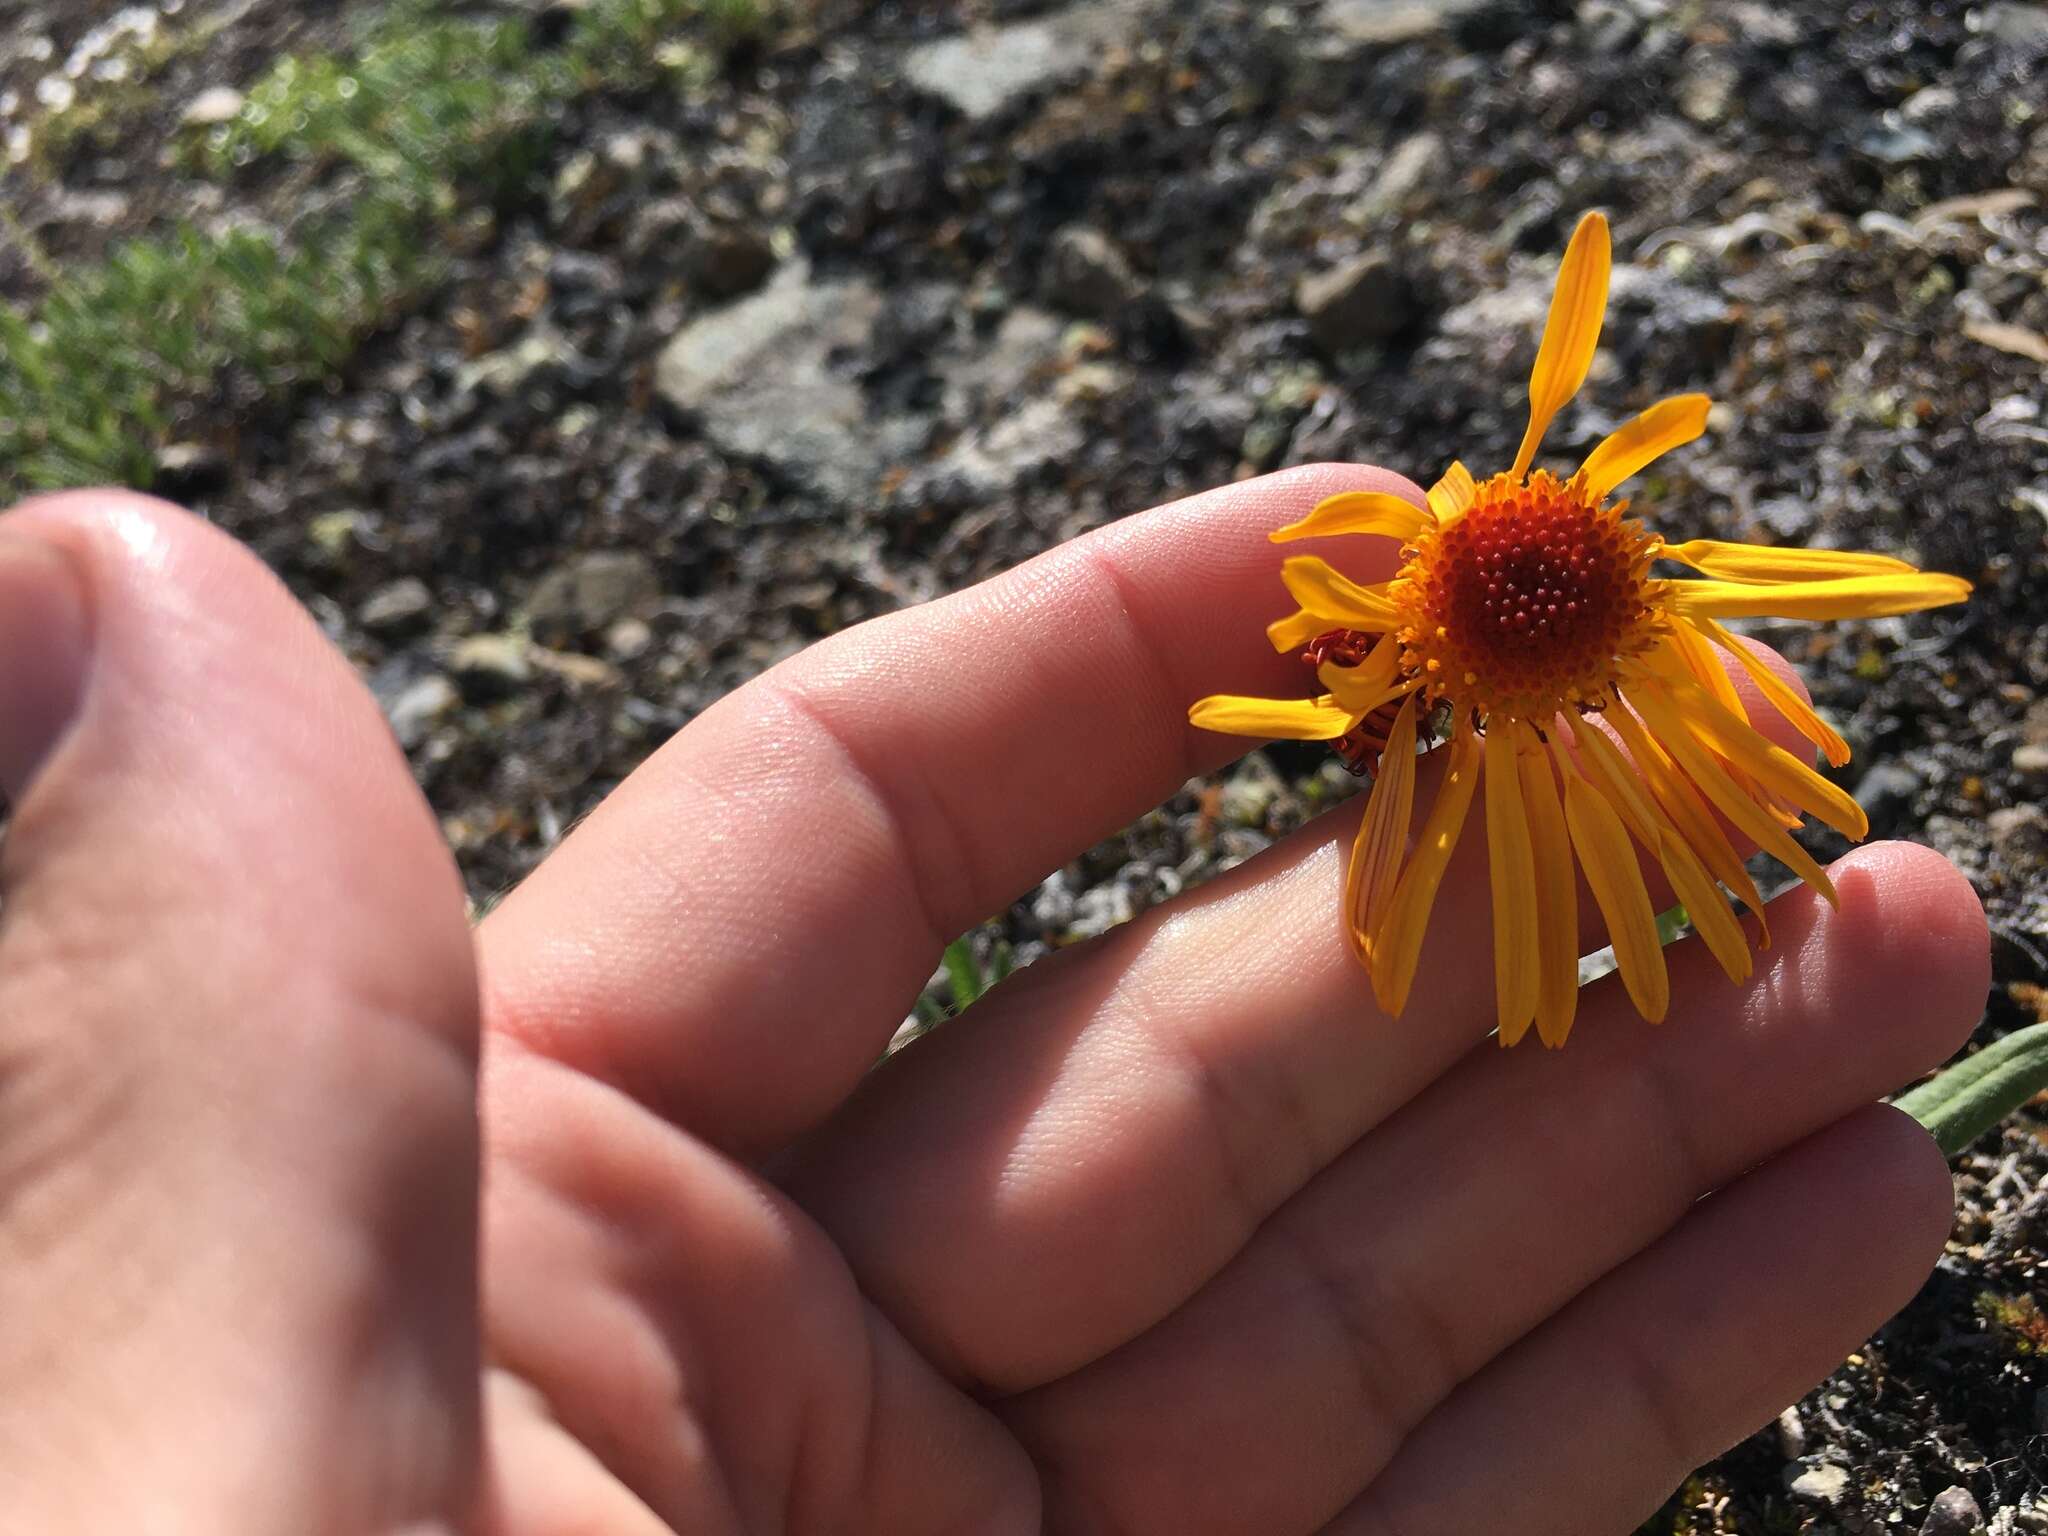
1525, 607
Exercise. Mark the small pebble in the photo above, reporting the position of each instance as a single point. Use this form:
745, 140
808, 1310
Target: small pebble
1953, 1513
1823, 1484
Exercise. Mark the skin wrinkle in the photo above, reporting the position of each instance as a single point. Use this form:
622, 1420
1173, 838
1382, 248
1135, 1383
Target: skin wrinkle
924, 875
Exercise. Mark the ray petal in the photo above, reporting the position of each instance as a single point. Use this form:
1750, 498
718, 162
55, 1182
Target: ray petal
1570, 334
1289, 719
1396, 943
1379, 512
1511, 866
1664, 426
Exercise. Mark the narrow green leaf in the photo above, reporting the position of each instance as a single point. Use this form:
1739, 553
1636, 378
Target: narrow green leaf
964, 972
1968, 1099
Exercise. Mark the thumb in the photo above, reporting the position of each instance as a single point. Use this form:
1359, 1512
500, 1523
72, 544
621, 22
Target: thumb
238, 1149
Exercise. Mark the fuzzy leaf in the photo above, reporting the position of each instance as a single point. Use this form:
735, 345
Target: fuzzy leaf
1968, 1099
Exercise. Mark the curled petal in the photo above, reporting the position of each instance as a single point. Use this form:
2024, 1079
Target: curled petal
1290, 719
1451, 497
1668, 726
1783, 698
1342, 602
1379, 512
1296, 630
1664, 426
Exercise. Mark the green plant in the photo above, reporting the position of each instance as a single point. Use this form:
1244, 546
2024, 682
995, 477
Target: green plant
966, 978
1969, 1098
2016, 1320
438, 115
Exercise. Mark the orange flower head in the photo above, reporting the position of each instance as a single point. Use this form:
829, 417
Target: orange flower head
1583, 693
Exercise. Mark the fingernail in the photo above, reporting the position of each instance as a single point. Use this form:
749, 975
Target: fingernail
45, 651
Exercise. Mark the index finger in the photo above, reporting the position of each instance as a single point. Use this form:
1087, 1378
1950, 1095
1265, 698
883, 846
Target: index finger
732, 937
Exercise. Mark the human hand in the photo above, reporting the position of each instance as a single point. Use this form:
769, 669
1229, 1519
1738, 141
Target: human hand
1174, 1233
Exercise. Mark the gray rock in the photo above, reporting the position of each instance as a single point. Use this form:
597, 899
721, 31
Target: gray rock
589, 592
1363, 301
1018, 445
1407, 166
2019, 26
418, 707
2030, 761
1355, 24
2019, 837
629, 640
1896, 142
985, 72
1089, 275
396, 607
1825, 1483
1101, 908
1791, 1434
1708, 87
763, 379
1025, 346
1886, 791
1953, 1513
491, 666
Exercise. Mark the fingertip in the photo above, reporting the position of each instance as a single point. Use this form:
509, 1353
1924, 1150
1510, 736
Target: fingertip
1918, 1187
1917, 931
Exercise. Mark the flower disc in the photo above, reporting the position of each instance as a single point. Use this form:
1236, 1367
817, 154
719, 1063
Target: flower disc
1525, 605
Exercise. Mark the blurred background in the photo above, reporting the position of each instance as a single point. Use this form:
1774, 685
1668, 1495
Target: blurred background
575, 360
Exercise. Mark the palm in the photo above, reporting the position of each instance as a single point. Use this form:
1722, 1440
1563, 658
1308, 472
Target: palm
1175, 1234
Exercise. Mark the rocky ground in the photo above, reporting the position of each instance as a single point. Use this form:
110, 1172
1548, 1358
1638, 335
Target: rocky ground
913, 290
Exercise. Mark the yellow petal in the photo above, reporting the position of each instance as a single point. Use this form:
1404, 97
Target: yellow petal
1682, 805
1662, 717
1625, 791
1343, 602
1557, 895
1705, 906
1603, 762
1357, 695
1396, 943
1769, 563
1296, 630
1694, 658
1602, 845
1511, 865
1782, 697
1383, 834
1778, 771
1853, 597
1664, 426
1358, 512
1451, 497
1293, 719
1571, 333
1363, 688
